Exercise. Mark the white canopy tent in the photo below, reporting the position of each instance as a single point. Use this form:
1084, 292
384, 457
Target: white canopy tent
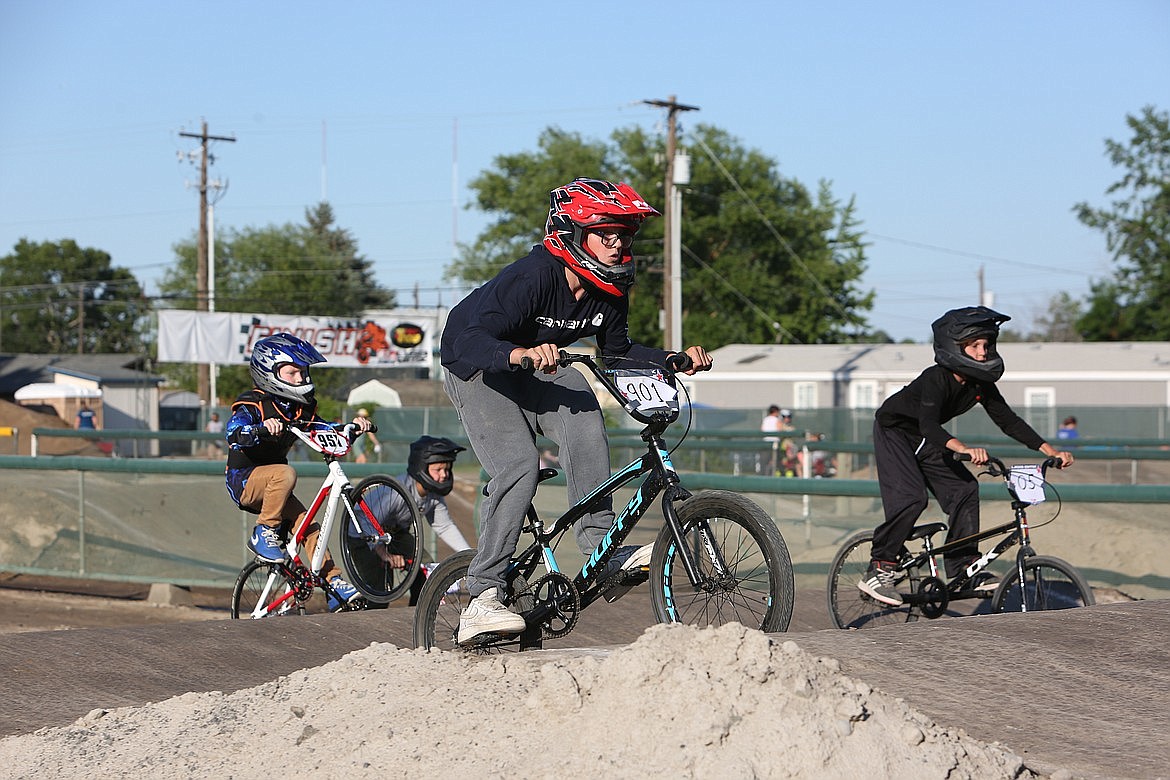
374, 392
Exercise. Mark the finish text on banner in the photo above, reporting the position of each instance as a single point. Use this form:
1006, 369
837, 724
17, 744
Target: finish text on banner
383, 340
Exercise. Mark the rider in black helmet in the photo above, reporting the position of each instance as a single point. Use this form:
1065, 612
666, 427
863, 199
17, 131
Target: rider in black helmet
912, 449
428, 474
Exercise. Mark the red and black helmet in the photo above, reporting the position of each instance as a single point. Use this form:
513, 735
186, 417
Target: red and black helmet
591, 204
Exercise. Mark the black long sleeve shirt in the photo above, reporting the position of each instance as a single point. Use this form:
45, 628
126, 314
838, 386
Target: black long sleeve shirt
922, 407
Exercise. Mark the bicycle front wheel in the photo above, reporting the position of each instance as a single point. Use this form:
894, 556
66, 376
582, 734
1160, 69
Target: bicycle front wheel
849, 607
380, 503
443, 598
1049, 583
263, 590
744, 567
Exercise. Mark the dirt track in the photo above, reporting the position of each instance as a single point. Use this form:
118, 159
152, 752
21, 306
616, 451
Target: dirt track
1084, 689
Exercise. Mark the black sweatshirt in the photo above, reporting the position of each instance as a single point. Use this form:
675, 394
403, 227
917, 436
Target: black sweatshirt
529, 303
936, 397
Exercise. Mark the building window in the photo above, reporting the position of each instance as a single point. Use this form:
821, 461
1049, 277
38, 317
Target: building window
1040, 409
804, 395
863, 395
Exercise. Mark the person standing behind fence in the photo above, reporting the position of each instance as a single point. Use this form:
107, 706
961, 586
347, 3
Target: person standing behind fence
367, 442
771, 424
215, 425
86, 418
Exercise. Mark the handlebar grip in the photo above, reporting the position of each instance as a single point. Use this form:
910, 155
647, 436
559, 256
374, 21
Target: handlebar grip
679, 362
961, 455
526, 363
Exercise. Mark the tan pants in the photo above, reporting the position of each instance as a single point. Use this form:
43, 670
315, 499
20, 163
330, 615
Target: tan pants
269, 490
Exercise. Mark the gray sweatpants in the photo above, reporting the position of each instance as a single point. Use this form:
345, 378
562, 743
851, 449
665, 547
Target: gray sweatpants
502, 413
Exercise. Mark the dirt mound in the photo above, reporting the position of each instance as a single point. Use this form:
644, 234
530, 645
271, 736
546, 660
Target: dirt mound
679, 702
24, 420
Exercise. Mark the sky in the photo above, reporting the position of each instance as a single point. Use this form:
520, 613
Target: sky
965, 131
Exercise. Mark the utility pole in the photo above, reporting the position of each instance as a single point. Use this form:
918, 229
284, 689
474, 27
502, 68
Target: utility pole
201, 291
671, 243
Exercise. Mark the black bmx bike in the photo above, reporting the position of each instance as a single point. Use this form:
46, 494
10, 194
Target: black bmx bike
1036, 582
719, 557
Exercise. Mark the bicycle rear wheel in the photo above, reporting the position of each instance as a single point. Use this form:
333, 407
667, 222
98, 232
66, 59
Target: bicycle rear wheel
266, 584
1049, 583
848, 606
742, 559
444, 597
379, 502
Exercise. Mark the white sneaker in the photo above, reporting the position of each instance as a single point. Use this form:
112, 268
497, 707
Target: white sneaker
486, 615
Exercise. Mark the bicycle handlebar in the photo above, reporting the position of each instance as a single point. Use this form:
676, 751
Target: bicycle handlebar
996, 467
676, 363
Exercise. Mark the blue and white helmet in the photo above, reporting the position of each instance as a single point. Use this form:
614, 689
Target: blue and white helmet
272, 352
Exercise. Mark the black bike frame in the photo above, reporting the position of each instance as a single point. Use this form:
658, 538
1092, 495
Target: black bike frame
660, 478
1017, 533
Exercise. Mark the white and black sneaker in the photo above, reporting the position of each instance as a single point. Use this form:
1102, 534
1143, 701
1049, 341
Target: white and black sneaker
486, 615
984, 582
879, 582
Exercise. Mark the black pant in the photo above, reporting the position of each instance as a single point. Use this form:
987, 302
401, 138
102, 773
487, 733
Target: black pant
907, 467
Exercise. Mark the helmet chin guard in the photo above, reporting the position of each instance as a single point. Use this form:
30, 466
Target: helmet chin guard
961, 326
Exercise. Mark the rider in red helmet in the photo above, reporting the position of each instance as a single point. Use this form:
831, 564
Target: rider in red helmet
570, 286
590, 205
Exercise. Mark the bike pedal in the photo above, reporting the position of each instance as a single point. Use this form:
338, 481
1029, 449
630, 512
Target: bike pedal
619, 585
483, 640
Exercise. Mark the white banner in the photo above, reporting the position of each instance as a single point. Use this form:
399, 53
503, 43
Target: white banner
386, 339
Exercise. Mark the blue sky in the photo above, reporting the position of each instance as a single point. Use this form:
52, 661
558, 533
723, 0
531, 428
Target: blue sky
966, 131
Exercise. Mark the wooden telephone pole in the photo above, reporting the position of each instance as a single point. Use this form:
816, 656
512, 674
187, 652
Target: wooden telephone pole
201, 292
671, 244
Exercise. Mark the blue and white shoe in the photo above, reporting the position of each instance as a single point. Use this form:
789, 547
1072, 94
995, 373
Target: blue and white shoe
345, 593
266, 544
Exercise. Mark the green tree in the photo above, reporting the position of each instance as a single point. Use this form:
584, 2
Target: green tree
57, 297
314, 269
763, 260
1059, 323
1132, 305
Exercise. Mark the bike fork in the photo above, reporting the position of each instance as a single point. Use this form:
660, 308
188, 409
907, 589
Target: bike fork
677, 493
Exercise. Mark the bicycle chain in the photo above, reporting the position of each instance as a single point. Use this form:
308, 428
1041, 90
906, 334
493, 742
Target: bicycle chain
566, 609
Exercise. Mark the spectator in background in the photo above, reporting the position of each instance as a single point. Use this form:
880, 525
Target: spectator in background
1068, 429
215, 425
368, 442
86, 418
770, 424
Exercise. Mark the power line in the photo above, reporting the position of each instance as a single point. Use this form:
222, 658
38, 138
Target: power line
797, 259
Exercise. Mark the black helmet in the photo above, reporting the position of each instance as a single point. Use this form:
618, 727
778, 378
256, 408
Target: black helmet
427, 450
959, 326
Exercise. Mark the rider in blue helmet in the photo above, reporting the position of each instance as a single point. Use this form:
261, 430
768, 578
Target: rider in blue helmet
259, 478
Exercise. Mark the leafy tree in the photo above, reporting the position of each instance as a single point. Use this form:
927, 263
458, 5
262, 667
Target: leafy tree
763, 260
58, 297
313, 269
1059, 323
1132, 305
